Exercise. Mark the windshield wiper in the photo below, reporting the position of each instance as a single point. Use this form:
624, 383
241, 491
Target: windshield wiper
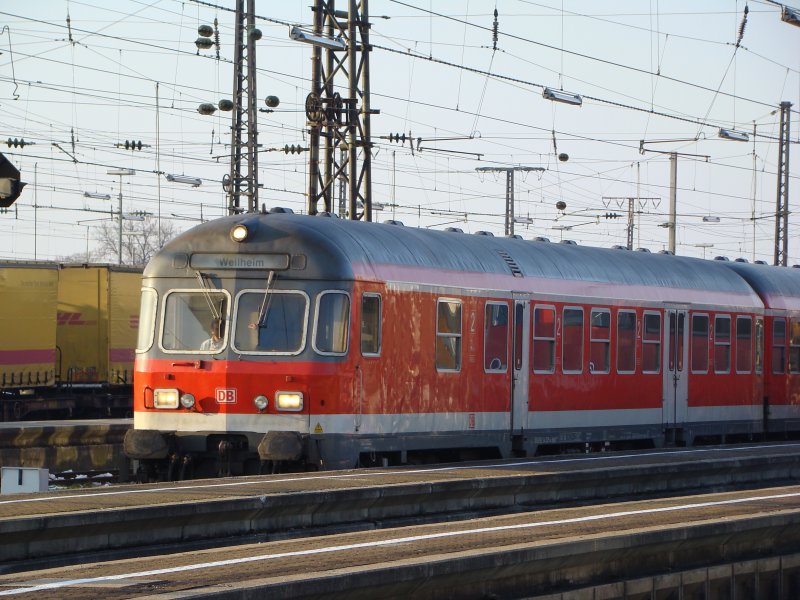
215, 313
262, 312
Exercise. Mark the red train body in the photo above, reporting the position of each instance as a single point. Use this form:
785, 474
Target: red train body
344, 343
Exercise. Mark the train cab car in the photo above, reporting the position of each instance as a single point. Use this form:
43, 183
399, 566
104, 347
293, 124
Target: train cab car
309, 342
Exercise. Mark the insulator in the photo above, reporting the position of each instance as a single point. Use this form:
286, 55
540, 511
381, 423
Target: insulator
205, 30
204, 43
216, 36
742, 25
494, 30
226, 105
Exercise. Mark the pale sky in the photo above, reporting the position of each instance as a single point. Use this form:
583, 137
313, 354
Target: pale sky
647, 70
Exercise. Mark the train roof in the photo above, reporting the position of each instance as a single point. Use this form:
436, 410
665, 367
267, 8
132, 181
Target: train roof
778, 287
343, 249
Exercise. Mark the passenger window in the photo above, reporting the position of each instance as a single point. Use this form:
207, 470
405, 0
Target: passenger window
448, 335
744, 344
572, 341
600, 345
626, 341
651, 343
370, 325
759, 345
495, 337
794, 346
544, 340
699, 343
333, 323
779, 346
722, 344
519, 333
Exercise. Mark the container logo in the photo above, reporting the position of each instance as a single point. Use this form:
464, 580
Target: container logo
72, 318
226, 395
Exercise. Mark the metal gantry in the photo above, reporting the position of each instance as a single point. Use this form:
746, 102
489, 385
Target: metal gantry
243, 177
339, 126
509, 171
782, 202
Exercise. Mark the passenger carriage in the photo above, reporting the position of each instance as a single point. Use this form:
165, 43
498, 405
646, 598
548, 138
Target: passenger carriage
349, 343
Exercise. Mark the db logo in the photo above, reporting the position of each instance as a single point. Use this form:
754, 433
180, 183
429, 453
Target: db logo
226, 396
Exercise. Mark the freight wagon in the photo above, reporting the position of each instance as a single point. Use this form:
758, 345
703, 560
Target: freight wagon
69, 333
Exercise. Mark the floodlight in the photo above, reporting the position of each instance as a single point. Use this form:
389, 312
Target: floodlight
790, 15
562, 96
193, 181
732, 134
298, 35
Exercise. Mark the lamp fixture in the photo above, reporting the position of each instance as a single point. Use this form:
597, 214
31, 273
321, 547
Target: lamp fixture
790, 15
298, 35
193, 181
732, 134
97, 195
562, 96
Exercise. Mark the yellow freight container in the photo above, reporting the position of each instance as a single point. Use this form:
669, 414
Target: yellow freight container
28, 321
98, 319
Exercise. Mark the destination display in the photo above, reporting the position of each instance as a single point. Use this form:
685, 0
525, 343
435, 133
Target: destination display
270, 262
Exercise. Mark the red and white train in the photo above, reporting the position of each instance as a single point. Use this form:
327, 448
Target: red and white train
346, 343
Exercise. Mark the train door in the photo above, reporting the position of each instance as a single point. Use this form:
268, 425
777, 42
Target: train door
520, 364
676, 369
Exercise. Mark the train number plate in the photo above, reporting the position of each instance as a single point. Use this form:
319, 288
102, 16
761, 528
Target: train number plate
226, 395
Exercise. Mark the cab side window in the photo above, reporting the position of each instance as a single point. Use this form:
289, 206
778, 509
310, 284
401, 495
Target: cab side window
370, 325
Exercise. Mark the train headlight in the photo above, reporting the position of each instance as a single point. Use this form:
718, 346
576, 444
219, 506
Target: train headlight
289, 401
260, 402
165, 398
239, 233
187, 401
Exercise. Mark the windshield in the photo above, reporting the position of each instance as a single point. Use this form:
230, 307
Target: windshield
194, 321
282, 329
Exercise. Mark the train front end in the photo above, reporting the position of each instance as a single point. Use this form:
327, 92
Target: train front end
226, 366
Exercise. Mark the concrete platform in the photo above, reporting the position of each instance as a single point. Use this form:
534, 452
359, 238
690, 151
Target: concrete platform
51, 527
644, 549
